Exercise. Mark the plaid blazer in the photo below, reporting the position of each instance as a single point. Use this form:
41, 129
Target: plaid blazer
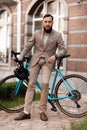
54, 42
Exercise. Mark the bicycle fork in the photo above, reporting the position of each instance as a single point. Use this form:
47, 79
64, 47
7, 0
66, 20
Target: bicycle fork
18, 86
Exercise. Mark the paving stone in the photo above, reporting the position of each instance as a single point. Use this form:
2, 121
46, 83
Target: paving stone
57, 120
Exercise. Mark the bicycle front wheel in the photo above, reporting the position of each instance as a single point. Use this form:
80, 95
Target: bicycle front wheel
77, 105
12, 96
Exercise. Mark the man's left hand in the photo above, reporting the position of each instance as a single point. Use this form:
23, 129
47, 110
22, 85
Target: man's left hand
52, 59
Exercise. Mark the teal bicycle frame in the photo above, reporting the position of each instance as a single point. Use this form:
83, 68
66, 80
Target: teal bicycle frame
39, 86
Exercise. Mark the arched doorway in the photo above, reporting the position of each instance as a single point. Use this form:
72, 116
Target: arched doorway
59, 10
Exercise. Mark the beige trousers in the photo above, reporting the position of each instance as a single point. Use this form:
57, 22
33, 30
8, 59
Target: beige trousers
34, 72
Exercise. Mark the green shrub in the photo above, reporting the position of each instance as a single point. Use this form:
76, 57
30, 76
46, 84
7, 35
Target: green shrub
5, 95
37, 96
81, 126
7, 88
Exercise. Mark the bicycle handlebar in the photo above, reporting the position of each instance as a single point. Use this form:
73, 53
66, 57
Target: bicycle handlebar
59, 59
20, 62
64, 56
14, 54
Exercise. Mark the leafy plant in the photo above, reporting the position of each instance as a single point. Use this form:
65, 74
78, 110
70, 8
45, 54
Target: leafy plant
81, 126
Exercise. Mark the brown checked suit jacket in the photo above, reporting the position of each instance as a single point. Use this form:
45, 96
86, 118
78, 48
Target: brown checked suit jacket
54, 41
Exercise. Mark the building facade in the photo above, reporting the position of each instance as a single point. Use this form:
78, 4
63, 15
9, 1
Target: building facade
20, 18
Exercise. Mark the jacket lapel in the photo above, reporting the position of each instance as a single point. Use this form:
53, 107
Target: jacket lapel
48, 40
41, 45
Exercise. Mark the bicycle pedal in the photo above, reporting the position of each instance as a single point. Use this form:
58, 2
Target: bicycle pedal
54, 109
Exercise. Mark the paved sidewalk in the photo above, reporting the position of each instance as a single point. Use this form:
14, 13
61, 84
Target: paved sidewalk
57, 121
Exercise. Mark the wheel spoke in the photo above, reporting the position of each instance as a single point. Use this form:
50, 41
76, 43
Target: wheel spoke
11, 102
77, 105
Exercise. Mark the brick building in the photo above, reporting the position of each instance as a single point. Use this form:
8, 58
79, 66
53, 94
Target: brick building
20, 18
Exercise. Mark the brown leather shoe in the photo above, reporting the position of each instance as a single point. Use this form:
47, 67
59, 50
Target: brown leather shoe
43, 116
23, 116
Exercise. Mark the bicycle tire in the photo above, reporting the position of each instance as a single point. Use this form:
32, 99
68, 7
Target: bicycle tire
68, 106
17, 106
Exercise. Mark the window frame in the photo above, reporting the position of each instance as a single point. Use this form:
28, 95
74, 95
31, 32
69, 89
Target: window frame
3, 65
57, 17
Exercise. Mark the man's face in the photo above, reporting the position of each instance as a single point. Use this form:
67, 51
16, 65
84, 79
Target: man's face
47, 24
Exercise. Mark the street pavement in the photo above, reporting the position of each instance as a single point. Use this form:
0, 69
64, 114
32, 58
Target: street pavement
56, 120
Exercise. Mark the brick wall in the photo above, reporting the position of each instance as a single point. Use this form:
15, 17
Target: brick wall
77, 37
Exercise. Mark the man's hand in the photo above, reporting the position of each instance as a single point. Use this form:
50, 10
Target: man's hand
18, 66
52, 59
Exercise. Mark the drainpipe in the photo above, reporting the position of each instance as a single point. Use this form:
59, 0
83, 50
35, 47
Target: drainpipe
18, 25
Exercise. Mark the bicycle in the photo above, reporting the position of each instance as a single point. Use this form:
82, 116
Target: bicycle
69, 94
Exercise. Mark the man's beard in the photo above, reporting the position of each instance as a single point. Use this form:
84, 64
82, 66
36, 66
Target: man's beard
48, 31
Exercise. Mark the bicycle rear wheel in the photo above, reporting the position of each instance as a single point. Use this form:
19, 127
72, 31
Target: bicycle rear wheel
76, 106
11, 100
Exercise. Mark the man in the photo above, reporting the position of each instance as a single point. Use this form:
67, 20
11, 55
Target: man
46, 41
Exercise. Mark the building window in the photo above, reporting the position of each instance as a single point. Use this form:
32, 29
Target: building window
4, 37
58, 9
54, 7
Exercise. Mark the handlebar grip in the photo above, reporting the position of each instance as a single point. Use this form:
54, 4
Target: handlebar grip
14, 53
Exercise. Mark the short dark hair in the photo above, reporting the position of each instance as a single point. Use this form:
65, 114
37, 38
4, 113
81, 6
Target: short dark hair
48, 15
